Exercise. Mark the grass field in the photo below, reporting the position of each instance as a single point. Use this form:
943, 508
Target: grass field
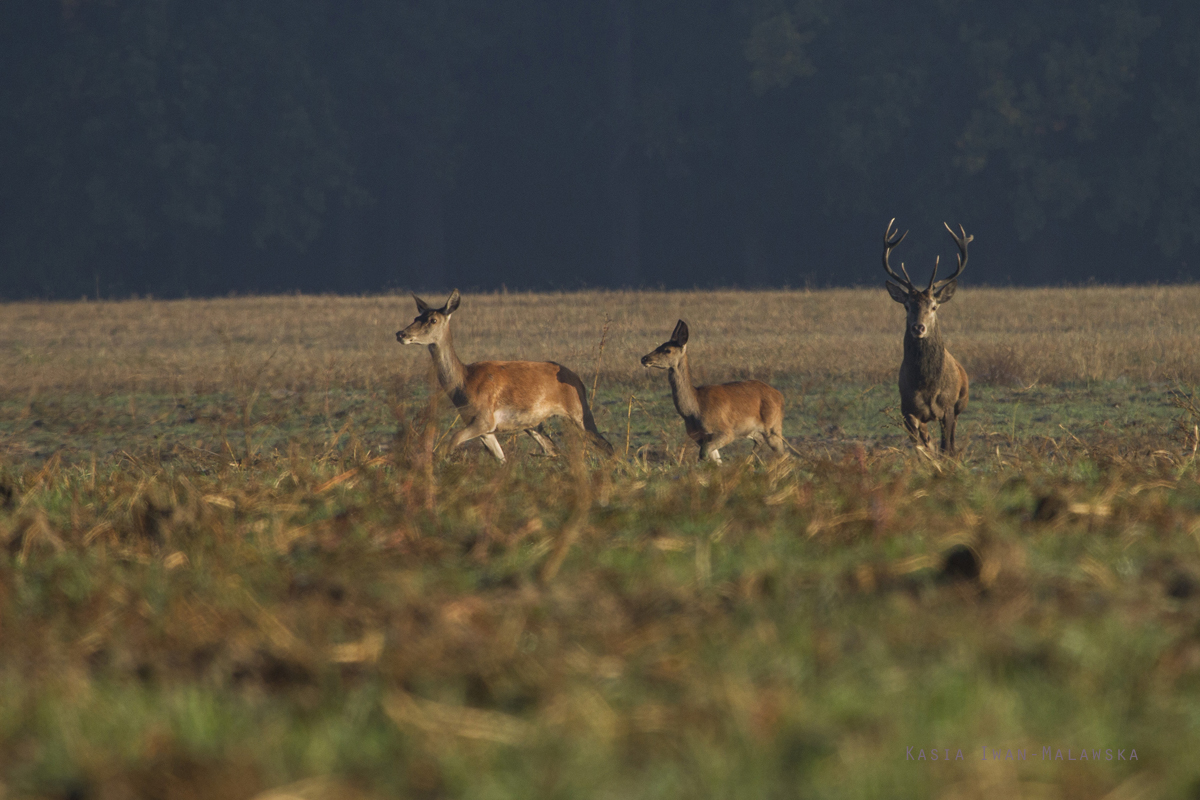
228, 568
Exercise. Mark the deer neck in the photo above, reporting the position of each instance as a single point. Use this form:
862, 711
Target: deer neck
452, 375
925, 358
687, 402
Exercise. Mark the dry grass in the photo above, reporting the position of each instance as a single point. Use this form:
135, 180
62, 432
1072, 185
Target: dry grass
212, 583
1003, 336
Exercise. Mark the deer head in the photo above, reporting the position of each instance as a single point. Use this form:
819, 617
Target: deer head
922, 304
431, 324
668, 354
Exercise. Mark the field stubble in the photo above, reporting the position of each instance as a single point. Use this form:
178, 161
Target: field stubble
229, 564
1004, 336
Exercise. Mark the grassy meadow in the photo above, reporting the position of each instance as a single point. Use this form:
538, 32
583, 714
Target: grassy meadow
236, 560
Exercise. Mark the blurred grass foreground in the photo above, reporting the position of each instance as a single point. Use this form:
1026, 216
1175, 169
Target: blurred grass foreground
230, 567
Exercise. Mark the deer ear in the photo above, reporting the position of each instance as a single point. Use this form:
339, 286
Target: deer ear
946, 292
422, 306
898, 294
452, 303
680, 335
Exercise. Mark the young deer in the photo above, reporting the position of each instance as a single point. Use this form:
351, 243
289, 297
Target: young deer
716, 415
499, 396
932, 384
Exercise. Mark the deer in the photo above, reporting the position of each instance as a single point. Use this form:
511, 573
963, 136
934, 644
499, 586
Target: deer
500, 396
933, 385
716, 415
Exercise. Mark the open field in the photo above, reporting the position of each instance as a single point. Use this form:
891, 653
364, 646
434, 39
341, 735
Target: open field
1008, 336
227, 566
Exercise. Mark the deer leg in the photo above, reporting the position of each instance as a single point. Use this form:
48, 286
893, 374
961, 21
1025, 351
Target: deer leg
772, 439
539, 436
949, 422
710, 447
917, 430
584, 421
493, 445
476, 428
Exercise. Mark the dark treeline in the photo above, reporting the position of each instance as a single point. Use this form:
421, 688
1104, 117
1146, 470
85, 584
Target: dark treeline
170, 147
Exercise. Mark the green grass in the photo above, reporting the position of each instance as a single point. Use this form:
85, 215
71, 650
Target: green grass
231, 425
224, 593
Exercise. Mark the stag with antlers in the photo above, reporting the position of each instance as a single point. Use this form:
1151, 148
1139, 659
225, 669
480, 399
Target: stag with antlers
933, 386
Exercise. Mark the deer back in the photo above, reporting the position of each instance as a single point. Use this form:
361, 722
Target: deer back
740, 406
523, 389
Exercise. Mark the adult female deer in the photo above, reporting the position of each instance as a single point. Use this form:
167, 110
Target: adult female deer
499, 396
716, 415
932, 384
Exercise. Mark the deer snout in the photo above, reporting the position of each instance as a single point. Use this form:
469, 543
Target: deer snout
400, 337
919, 329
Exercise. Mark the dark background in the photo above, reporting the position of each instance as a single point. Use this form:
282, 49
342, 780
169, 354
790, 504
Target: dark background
195, 148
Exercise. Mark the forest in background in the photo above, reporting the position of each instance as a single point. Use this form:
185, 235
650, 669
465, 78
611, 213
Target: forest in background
171, 148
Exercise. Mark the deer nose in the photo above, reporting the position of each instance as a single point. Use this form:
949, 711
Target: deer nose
919, 329
400, 336
644, 360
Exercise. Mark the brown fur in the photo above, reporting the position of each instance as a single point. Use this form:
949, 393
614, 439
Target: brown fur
933, 385
715, 415
500, 396
931, 389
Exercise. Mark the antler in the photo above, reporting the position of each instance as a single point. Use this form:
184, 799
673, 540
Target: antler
889, 244
962, 242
